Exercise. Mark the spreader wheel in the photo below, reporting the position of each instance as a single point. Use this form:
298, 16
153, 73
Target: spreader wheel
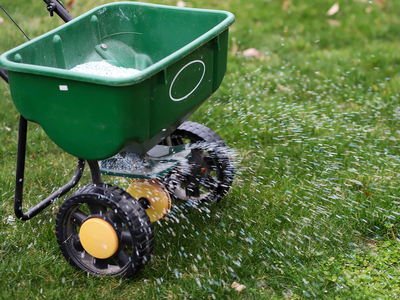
153, 197
104, 231
211, 170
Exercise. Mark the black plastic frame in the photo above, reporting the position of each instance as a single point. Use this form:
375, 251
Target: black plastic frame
3, 74
19, 182
57, 7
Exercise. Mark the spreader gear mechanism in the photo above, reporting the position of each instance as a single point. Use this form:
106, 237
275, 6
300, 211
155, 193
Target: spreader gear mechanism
153, 197
208, 174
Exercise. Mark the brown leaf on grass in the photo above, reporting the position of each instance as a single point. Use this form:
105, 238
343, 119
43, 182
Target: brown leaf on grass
33, 156
10, 220
381, 3
238, 287
252, 52
370, 244
333, 10
368, 10
286, 4
283, 89
366, 192
235, 49
70, 4
333, 22
181, 4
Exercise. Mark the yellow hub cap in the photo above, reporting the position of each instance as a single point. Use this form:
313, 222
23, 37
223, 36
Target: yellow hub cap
158, 200
98, 238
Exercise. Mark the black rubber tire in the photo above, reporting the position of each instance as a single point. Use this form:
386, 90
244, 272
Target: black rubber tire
194, 132
209, 151
123, 212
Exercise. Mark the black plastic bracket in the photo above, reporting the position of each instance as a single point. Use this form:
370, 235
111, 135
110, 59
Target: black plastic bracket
51, 8
56, 6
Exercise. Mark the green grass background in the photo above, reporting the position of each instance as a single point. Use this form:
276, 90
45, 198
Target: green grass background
315, 124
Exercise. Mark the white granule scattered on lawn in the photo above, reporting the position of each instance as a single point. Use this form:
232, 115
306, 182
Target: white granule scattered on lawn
103, 68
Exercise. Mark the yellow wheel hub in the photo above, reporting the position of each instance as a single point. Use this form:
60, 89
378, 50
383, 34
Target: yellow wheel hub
155, 196
98, 238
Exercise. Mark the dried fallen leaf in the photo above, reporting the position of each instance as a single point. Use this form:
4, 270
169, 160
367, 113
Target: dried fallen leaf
70, 4
368, 10
10, 220
238, 287
333, 22
181, 4
251, 52
33, 156
286, 4
381, 3
235, 49
333, 10
282, 88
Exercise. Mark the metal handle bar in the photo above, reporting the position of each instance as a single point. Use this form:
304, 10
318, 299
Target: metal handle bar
57, 7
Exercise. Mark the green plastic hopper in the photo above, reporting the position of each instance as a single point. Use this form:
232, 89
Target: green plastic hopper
181, 54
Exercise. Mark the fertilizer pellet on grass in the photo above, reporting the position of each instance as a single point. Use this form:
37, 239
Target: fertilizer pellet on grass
103, 68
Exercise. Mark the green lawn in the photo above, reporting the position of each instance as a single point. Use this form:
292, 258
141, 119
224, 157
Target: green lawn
315, 126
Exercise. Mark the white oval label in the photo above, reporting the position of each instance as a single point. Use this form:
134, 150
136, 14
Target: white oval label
180, 71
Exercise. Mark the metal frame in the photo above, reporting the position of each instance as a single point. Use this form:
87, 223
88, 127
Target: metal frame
3, 74
53, 6
19, 182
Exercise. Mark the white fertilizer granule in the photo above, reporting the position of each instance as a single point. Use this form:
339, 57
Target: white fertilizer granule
103, 68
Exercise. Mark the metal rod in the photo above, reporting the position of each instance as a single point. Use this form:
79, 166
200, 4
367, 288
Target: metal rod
3, 74
15, 22
19, 183
95, 171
